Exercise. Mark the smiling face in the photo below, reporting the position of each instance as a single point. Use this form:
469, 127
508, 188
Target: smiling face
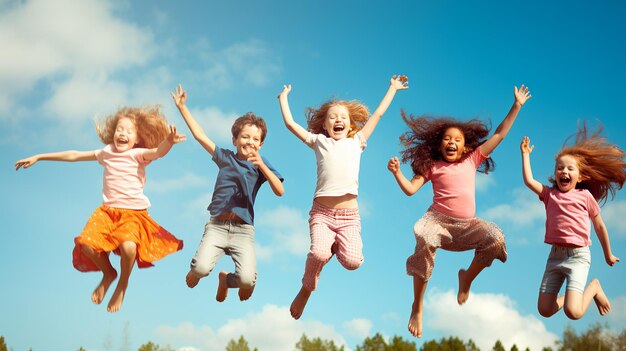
452, 145
567, 173
248, 141
337, 122
125, 136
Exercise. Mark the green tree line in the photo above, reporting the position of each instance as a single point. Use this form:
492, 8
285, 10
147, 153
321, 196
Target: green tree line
597, 338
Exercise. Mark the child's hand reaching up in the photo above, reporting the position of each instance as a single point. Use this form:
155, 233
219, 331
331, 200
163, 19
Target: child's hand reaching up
522, 95
525, 146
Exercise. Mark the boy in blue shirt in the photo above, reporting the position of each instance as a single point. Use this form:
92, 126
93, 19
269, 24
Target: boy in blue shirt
230, 230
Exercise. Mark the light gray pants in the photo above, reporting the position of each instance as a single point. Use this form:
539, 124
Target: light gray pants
227, 238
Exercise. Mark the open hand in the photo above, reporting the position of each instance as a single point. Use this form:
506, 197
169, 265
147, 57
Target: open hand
286, 91
525, 146
174, 137
400, 82
179, 96
522, 95
25, 163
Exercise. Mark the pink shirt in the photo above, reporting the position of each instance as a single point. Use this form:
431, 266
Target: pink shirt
124, 178
338, 163
454, 185
568, 216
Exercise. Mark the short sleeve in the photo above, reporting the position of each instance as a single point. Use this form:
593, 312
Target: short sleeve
545, 192
218, 156
592, 205
311, 139
360, 138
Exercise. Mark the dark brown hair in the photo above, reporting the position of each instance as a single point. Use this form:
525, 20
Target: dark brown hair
421, 143
249, 119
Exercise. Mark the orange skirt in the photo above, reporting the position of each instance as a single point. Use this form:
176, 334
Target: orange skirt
109, 227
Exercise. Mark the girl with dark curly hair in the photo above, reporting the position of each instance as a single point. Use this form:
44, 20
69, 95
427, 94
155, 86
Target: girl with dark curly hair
585, 174
448, 152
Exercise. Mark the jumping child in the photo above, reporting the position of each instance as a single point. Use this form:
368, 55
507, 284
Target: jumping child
133, 137
585, 173
337, 132
448, 152
230, 230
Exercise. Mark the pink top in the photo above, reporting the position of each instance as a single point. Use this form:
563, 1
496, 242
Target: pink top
567, 216
124, 178
454, 185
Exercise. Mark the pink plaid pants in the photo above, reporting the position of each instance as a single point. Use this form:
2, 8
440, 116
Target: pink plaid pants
333, 231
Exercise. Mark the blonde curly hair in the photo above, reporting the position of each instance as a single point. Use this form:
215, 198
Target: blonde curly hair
152, 126
358, 113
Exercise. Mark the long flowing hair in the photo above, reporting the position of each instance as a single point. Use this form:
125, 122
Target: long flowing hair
152, 127
600, 162
358, 113
422, 141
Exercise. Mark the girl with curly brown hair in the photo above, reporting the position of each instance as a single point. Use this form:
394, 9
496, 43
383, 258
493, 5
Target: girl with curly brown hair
133, 137
585, 174
448, 152
337, 131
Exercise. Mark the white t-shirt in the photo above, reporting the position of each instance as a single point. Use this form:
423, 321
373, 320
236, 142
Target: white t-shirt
338, 163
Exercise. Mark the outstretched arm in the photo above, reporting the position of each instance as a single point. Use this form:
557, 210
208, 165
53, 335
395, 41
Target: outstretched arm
66, 156
603, 237
165, 146
521, 96
180, 99
293, 127
272, 179
527, 172
397, 82
409, 187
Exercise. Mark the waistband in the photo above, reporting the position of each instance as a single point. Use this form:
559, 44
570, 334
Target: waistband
228, 217
570, 251
346, 211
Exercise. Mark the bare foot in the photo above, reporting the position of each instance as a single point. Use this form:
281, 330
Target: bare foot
192, 279
604, 306
115, 304
222, 287
415, 322
464, 288
298, 304
245, 294
98, 294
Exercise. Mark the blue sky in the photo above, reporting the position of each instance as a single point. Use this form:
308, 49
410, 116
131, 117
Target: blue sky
67, 62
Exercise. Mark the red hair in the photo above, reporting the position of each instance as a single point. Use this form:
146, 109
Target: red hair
152, 127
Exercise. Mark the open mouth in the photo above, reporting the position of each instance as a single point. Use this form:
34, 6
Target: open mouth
565, 181
122, 141
451, 150
338, 128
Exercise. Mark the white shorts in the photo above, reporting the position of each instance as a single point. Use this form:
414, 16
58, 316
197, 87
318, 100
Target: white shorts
566, 263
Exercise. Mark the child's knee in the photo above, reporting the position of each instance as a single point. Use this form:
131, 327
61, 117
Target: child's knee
247, 281
320, 256
351, 263
573, 313
200, 269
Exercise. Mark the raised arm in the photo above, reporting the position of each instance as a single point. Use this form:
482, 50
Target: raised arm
603, 237
293, 127
527, 171
396, 83
409, 187
165, 146
65, 156
180, 99
521, 96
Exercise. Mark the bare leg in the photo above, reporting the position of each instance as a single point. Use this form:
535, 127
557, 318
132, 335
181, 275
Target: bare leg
245, 294
415, 321
549, 304
576, 304
128, 253
299, 303
101, 260
466, 277
222, 287
192, 279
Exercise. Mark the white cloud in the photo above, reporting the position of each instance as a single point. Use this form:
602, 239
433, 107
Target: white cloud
186, 181
251, 62
484, 181
272, 328
63, 41
613, 216
289, 230
486, 319
359, 327
524, 210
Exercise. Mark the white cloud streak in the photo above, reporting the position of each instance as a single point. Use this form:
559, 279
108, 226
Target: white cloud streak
272, 328
486, 318
289, 232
